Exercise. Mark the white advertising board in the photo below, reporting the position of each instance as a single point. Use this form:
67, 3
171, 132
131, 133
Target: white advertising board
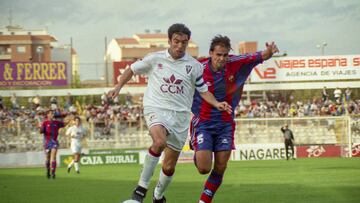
307, 68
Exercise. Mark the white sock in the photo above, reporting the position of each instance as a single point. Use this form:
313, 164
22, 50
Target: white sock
76, 164
148, 170
163, 183
71, 164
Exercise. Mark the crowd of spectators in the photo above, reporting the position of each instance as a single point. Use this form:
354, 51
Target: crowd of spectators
18, 121
338, 105
23, 120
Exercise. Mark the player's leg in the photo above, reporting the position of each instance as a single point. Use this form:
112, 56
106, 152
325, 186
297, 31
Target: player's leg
166, 174
71, 164
292, 150
158, 134
53, 161
287, 150
203, 161
47, 162
76, 162
221, 160
216, 176
202, 143
223, 144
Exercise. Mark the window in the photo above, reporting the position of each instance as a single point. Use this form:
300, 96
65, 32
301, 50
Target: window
20, 49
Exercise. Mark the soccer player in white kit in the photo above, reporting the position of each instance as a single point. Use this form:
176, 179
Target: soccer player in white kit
77, 133
173, 76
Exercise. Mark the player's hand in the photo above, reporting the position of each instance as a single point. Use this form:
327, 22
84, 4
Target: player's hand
224, 106
271, 48
113, 93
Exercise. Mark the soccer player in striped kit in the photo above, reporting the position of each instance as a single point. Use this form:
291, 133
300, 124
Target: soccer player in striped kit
212, 131
173, 77
50, 129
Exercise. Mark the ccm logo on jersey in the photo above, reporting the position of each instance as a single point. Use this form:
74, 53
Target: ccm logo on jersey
172, 85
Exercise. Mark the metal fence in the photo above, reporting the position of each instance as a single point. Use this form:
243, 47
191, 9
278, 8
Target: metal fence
21, 136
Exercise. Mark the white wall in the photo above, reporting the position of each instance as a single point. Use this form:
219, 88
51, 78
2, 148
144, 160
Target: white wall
140, 90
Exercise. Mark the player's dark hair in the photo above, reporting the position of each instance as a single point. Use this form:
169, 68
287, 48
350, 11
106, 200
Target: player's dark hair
78, 118
220, 40
178, 28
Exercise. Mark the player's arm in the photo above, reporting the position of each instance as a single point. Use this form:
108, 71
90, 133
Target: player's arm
68, 132
139, 67
42, 128
209, 98
124, 78
246, 62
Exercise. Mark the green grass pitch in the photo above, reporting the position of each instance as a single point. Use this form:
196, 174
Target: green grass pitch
325, 180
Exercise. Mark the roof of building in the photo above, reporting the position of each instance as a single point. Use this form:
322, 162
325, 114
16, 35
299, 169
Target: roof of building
151, 36
123, 41
27, 37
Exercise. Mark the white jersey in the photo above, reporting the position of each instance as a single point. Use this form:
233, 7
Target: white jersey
171, 83
76, 133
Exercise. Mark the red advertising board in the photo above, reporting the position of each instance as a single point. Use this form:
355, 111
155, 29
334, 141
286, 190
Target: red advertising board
119, 68
21, 74
356, 150
318, 151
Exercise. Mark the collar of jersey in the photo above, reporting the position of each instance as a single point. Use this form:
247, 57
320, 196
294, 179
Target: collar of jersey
167, 54
212, 70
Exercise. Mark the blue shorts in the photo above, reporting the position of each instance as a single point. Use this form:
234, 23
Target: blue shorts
52, 144
212, 135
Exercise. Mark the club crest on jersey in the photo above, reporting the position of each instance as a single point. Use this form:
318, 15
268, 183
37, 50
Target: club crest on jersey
172, 85
152, 117
188, 68
160, 66
231, 78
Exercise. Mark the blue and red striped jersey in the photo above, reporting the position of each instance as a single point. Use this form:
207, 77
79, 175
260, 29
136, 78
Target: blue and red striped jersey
226, 85
50, 129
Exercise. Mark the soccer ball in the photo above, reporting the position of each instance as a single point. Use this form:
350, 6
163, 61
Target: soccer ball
130, 201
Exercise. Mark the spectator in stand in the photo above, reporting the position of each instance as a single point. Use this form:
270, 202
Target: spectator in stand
347, 94
53, 100
104, 99
37, 101
69, 101
116, 100
30, 103
128, 99
14, 101
292, 110
1, 103
325, 95
314, 109
301, 111
337, 94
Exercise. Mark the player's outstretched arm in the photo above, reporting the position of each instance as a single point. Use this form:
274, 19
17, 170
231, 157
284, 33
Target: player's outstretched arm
271, 49
209, 98
124, 78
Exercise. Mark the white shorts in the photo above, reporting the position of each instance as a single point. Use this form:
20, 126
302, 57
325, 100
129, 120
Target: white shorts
176, 123
75, 147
